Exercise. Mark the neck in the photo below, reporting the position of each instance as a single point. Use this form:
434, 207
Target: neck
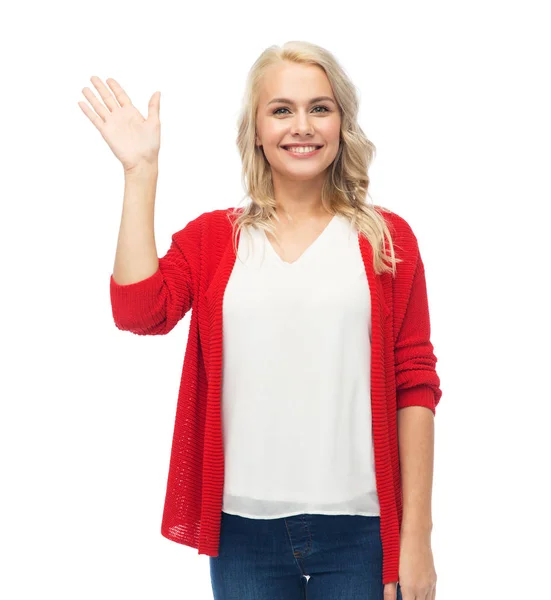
299, 201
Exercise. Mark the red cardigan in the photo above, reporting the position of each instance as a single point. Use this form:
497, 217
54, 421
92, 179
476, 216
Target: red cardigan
192, 276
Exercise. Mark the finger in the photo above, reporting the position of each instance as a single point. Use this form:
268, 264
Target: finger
105, 93
153, 107
91, 115
98, 106
120, 94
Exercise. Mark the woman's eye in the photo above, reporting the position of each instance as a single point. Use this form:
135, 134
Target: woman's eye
325, 109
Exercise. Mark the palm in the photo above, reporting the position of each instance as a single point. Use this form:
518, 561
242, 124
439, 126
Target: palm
130, 136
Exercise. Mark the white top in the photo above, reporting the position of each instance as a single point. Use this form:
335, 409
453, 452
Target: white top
296, 391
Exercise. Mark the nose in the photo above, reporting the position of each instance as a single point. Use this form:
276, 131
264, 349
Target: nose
302, 126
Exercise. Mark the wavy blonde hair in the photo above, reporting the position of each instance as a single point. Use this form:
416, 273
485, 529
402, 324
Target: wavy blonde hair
345, 187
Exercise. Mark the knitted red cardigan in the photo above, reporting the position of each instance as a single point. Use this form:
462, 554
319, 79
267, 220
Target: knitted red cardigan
192, 276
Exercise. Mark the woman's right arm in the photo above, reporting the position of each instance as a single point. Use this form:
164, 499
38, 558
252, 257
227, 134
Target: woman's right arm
149, 295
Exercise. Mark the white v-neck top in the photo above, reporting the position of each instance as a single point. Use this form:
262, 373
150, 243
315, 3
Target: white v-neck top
296, 390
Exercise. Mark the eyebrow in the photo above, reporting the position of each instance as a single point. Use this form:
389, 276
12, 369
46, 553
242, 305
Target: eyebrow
287, 101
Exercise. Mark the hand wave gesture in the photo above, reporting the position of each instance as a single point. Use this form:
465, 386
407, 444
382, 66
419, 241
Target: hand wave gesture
135, 141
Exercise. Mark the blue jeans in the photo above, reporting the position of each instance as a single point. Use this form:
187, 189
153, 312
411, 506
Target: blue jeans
268, 559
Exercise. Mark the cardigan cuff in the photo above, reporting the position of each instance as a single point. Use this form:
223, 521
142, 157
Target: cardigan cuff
133, 304
420, 395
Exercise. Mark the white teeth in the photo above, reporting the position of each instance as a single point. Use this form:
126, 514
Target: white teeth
300, 149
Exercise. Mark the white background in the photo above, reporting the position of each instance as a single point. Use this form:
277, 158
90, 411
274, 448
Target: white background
455, 97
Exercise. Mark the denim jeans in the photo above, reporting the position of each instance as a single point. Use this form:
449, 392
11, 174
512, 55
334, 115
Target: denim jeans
313, 556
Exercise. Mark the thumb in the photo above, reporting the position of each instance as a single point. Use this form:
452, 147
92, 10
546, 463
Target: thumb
390, 591
154, 106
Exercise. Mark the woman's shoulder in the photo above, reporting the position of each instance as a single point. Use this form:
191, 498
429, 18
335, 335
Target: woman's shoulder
209, 227
399, 226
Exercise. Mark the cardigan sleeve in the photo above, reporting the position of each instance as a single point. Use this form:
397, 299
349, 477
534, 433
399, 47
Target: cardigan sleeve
417, 382
153, 306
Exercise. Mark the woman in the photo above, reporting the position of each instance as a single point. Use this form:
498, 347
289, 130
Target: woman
306, 460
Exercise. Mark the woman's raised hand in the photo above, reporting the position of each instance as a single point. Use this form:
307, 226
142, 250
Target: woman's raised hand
135, 141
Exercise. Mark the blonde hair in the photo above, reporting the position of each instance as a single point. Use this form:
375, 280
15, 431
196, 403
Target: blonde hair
345, 187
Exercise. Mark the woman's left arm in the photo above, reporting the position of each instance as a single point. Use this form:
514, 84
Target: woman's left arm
418, 393
416, 448
417, 573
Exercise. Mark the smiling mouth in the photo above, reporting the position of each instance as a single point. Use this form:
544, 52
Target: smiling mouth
294, 148
302, 153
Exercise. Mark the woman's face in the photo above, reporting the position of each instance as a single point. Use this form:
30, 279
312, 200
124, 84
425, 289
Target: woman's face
297, 120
